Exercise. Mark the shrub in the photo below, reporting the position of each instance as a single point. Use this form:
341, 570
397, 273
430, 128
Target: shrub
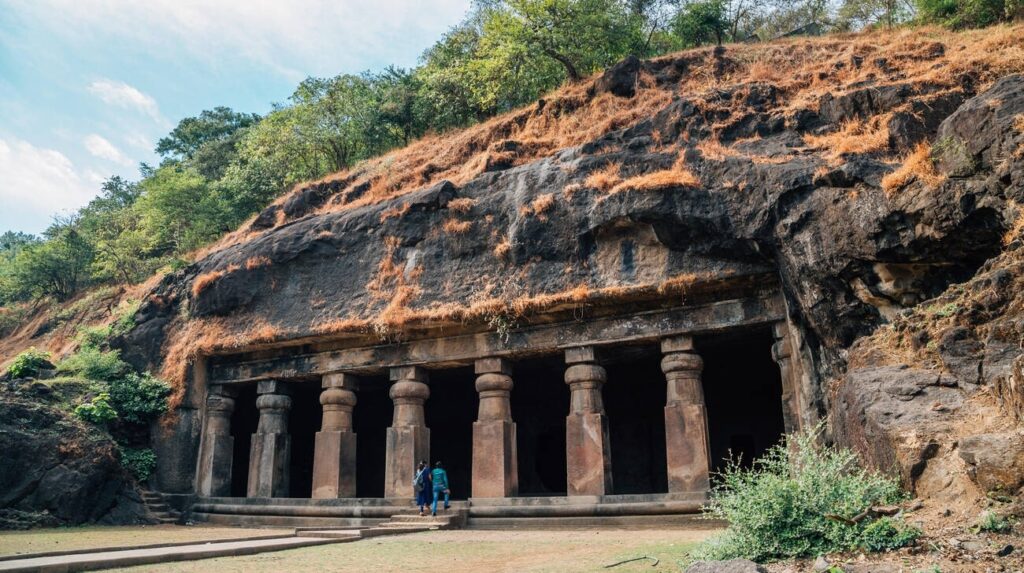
138, 398
28, 363
97, 411
992, 522
140, 462
887, 534
95, 364
798, 501
93, 336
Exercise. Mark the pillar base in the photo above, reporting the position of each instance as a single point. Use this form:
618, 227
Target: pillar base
334, 465
588, 455
406, 447
686, 450
269, 463
495, 469
216, 459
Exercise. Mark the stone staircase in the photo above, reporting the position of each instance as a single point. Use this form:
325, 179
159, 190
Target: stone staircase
400, 523
158, 509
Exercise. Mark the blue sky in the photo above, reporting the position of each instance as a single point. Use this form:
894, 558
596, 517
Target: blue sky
87, 87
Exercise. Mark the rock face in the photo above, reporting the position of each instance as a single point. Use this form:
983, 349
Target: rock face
57, 470
730, 566
742, 182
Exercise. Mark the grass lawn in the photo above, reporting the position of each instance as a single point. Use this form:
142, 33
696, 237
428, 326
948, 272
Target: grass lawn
70, 538
463, 551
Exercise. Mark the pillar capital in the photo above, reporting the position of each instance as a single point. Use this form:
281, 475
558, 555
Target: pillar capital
581, 355
679, 343
273, 387
340, 380
492, 366
409, 373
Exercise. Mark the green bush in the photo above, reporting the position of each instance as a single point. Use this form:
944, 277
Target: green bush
138, 398
887, 534
140, 462
28, 363
95, 364
992, 522
97, 411
797, 501
93, 336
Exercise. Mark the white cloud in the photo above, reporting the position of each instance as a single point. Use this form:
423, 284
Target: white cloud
125, 96
35, 184
293, 39
97, 146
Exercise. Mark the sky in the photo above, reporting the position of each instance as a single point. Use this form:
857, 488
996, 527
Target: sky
87, 87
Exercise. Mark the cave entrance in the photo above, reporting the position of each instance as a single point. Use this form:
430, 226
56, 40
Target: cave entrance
303, 424
370, 420
450, 413
743, 392
540, 402
244, 420
634, 400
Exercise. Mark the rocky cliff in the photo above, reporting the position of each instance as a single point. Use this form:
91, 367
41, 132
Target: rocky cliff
867, 175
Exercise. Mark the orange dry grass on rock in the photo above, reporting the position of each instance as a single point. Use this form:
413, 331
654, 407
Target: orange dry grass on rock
713, 150
539, 206
677, 176
454, 226
253, 263
918, 166
605, 178
206, 280
461, 205
855, 136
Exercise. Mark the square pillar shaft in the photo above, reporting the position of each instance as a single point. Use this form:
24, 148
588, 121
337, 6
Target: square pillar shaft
270, 456
334, 453
782, 353
495, 469
587, 447
408, 439
218, 445
686, 427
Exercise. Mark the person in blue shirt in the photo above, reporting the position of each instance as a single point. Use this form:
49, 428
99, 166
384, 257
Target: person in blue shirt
439, 477
421, 484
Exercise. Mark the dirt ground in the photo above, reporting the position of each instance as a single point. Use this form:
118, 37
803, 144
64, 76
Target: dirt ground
464, 551
70, 538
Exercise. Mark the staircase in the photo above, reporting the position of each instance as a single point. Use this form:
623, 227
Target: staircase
158, 509
398, 524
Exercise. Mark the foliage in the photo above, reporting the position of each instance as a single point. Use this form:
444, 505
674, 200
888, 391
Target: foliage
97, 411
969, 13
57, 266
94, 364
886, 534
992, 522
777, 509
138, 398
140, 462
28, 363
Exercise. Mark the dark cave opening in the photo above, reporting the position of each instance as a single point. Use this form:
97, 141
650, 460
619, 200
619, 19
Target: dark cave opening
303, 424
370, 420
540, 403
244, 421
743, 393
450, 413
634, 399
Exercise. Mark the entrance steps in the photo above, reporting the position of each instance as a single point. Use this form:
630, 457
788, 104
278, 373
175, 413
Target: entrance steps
158, 509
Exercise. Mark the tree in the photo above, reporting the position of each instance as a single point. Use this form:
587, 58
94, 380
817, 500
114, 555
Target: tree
56, 267
399, 103
208, 142
702, 22
178, 210
858, 14
969, 13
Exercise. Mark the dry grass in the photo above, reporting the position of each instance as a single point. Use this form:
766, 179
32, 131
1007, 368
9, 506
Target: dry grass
713, 150
605, 178
454, 226
677, 176
917, 166
539, 206
502, 249
207, 280
253, 263
461, 205
854, 136
1016, 231
394, 212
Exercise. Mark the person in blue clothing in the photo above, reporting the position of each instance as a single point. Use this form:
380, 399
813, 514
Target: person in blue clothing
439, 477
421, 484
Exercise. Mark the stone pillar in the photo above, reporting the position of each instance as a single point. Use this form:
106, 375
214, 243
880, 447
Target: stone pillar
334, 456
408, 439
271, 452
587, 448
782, 353
495, 470
215, 457
686, 419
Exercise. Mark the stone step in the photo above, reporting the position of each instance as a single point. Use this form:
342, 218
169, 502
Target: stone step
283, 520
427, 519
333, 533
380, 531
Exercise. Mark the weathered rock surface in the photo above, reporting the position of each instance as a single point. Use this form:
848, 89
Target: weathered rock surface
730, 566
57, 470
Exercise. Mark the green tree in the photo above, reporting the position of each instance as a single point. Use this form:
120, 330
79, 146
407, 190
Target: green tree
56, 267
702, 22
969, 13
178, 211
858, 14
208, 142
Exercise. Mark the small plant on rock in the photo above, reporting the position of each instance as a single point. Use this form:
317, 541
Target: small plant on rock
992, 522
140, 462
95, 364
139, 398
28, 363
887, 534
97, 411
